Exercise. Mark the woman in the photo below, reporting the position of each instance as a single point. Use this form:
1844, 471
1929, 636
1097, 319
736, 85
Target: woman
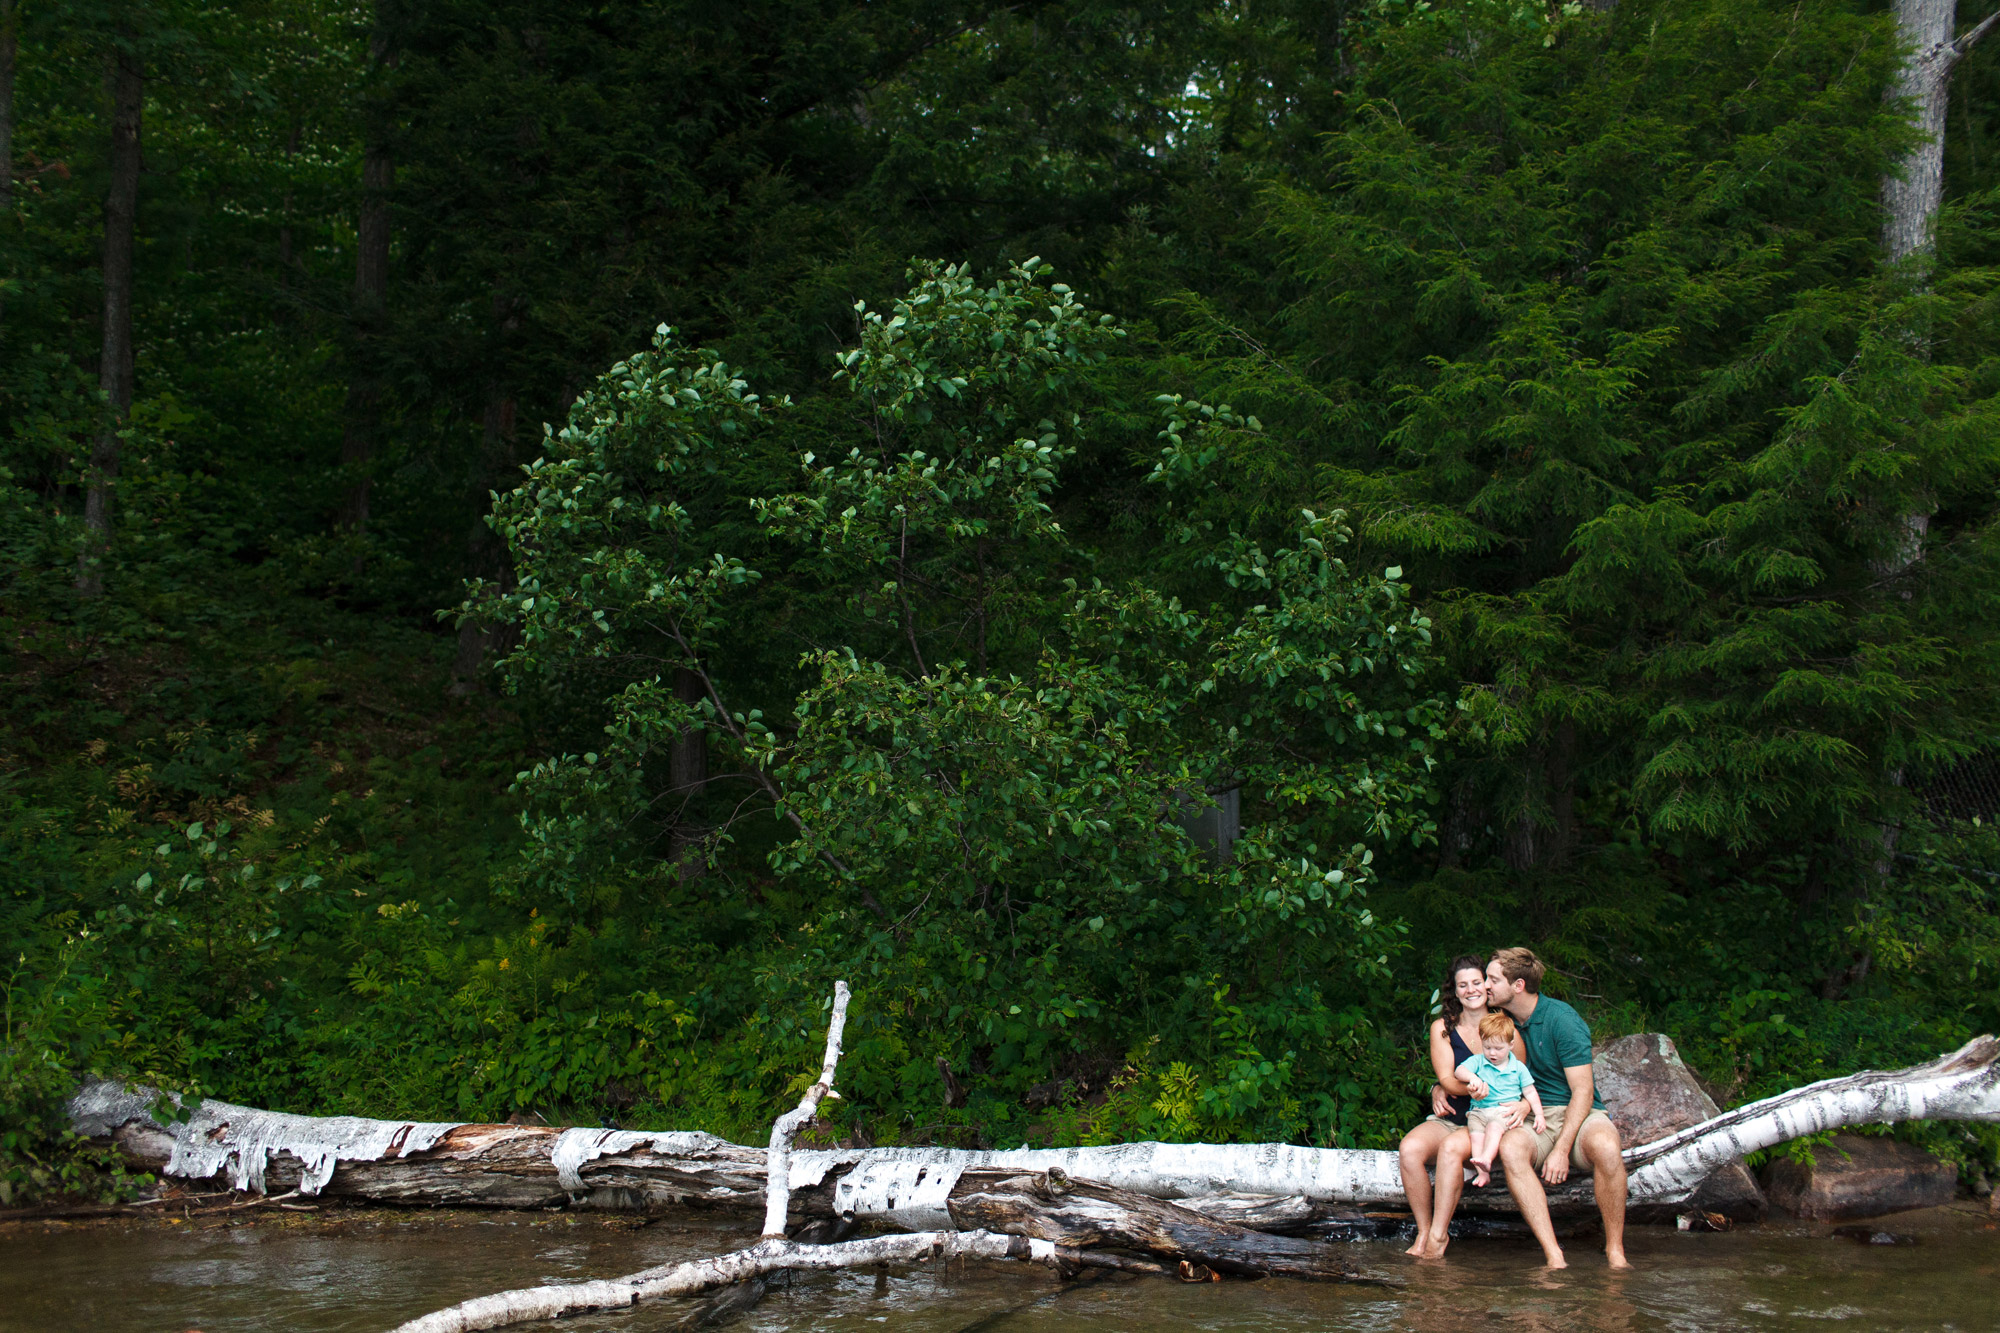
1454, 1040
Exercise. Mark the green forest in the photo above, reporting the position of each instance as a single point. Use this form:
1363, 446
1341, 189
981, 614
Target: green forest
535, 537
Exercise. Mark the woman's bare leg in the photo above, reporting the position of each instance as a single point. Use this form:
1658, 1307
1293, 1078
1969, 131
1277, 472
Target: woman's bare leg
1450, 1184
1413, 1157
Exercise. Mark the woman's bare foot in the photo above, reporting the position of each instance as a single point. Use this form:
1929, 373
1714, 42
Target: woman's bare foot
1434, 1245
1417, 1247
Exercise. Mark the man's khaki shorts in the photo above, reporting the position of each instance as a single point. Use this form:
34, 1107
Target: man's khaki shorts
1545, 1142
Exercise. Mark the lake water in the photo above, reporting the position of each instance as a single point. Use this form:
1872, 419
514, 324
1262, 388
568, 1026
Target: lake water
366, 1272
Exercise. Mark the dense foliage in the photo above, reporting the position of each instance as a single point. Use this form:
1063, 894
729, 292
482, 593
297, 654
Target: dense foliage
1478, 443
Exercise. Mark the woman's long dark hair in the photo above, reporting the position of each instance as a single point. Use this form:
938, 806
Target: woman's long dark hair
1448, 994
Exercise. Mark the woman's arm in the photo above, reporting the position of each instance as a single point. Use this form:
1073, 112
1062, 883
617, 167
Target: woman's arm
1443, 1064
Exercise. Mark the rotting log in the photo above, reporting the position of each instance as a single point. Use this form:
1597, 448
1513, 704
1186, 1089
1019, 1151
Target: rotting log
1087, 1215
514, 1166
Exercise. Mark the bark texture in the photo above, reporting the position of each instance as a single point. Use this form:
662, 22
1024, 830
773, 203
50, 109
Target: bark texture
532, 1166
778, 1161
1084, 1214
557, 1302
115, 368
1912, 193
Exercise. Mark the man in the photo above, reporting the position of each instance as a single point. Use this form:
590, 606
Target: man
1577, 1134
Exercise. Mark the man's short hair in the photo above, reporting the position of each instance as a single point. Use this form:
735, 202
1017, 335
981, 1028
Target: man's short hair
1496, 1026
1521, 967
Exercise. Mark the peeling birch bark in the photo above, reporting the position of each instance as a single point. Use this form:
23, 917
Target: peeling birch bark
556, 1302
517, 1166
778, 1161
1084, 1214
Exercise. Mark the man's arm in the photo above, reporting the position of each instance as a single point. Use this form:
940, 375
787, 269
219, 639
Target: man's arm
1582, 1091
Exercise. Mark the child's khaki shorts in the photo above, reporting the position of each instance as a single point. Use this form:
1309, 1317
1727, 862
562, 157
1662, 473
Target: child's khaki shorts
1476, 1119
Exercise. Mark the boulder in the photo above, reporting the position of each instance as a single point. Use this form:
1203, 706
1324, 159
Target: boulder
1860, 1177
1649, 1093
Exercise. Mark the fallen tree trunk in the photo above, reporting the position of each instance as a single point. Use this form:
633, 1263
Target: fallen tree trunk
533, 1167
1084, 1214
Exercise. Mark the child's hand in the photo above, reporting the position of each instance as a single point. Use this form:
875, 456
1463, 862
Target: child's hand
1541, 1125
1476, 1086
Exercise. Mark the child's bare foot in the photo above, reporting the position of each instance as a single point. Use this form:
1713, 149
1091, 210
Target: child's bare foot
1482, 1174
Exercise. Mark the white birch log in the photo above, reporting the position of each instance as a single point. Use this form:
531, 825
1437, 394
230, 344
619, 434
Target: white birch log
772, 1253
1964, 1085
574, 1298
514, 1166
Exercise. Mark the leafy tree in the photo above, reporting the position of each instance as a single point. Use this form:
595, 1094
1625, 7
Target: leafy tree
1004, 835
1589, 332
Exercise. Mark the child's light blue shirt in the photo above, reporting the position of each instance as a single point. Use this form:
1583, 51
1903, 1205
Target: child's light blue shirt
1504, 1087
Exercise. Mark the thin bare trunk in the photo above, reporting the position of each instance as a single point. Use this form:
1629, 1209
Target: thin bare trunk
687, 775
479, 639
1911, 194
9, 42
115, 370
371, 286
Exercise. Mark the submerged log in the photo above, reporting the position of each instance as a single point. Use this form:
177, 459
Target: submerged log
530, 1166
1084, 1214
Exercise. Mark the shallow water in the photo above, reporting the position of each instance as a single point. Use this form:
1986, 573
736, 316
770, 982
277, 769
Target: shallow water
367, 1272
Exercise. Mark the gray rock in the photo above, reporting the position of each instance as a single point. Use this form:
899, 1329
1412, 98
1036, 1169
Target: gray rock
1860, 1177
98, 1110
1650, 1093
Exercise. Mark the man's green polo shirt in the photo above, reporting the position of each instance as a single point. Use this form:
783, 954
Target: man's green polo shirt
1557, 1038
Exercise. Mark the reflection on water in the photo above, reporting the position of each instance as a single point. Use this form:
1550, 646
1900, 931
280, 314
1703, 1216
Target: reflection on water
367, 1272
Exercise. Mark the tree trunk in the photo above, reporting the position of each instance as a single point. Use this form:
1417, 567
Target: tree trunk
513, 1166
115, 370
9, 42
371, 286
1084, 1214
687, 774
1911, 195
480, 639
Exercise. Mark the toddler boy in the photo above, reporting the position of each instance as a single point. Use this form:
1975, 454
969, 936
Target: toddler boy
1497, 1081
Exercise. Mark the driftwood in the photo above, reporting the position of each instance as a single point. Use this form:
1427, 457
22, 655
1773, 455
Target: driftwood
1083, 1214
1288, 1187
533, 1166
748, 1269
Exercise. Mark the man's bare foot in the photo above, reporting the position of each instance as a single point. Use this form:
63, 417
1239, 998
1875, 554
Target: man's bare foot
1482, 1173
1554, 1259
1617, 1258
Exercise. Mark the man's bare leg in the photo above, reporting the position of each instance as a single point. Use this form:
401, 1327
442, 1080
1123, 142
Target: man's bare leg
1517, 1154
1450, 1185
1599, 1142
